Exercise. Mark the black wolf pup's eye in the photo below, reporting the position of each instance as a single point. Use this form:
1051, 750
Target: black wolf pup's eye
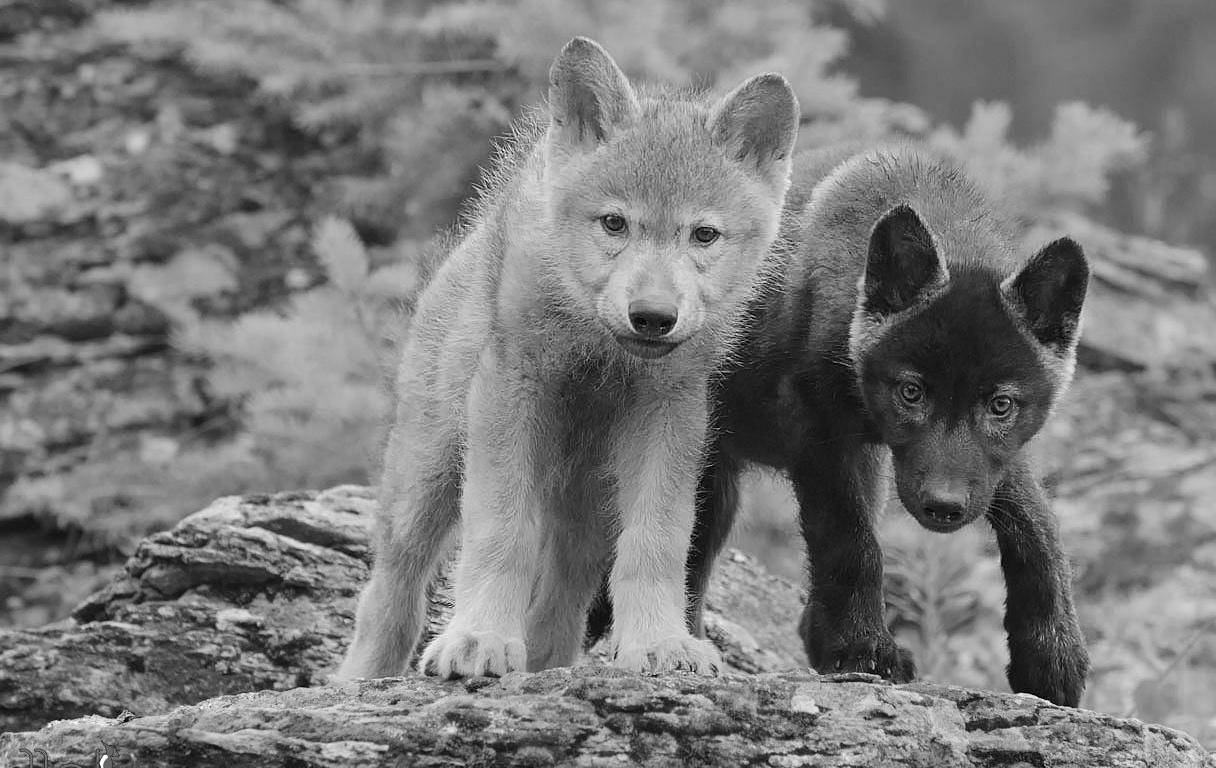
911, 392
614, 223
1000, 406
705, 235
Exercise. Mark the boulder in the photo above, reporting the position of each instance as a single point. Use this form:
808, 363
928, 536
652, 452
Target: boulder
215, 644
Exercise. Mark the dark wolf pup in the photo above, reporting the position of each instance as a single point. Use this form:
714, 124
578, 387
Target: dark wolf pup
553, 391
906, 332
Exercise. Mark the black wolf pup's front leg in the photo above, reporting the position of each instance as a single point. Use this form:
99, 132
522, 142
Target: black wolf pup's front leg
1047, 655
840, 489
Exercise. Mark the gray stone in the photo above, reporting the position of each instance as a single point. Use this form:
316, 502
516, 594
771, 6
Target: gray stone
254, 596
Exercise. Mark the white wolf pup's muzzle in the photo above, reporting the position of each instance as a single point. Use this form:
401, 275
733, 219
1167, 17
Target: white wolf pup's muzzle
651, 326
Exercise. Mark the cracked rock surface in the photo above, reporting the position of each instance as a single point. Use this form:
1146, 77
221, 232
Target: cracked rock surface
599, 716
214, 646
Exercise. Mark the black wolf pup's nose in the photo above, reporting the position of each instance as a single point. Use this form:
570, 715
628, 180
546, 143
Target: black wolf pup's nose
945, 510
652, 319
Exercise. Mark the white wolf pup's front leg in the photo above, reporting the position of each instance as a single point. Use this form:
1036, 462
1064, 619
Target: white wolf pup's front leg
658, 453
500, 542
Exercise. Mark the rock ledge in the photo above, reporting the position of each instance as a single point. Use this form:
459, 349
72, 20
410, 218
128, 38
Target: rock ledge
254, 596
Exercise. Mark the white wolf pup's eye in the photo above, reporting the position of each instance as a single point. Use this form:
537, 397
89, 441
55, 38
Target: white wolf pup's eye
705, 235
614, 223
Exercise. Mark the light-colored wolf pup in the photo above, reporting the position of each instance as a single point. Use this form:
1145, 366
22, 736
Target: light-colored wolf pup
553, 388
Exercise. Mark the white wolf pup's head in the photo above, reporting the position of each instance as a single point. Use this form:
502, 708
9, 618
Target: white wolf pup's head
662, 207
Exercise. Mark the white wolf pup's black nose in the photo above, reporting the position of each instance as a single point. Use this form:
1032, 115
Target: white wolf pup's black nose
652, 319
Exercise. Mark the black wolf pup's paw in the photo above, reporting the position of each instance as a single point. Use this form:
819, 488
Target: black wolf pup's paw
876, 653
1052, 664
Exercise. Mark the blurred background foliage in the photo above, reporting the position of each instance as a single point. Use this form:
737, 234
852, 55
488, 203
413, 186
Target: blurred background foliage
215, 216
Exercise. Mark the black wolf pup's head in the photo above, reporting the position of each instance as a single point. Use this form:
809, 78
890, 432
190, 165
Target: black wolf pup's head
959, 365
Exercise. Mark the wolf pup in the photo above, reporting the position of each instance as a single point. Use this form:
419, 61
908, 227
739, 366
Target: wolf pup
905, 332
553, 390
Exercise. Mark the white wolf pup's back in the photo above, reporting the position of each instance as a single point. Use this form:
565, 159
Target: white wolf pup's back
553, 389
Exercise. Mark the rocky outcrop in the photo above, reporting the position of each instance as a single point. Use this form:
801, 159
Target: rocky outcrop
598, 716
254, 596
258, 592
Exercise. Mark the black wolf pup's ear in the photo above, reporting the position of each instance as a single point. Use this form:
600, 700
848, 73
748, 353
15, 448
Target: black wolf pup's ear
1049, 291
589, 95
759, 120
902, 263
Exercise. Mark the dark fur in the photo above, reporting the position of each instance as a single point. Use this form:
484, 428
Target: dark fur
819, 399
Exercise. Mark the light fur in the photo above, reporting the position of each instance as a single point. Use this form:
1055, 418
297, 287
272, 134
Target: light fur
521, 415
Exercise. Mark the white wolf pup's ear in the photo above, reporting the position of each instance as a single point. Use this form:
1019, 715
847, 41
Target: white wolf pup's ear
902, 264
759, 120
1047, 294
589, 95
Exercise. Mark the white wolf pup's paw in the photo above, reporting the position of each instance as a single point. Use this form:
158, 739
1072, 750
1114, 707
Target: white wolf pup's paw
457, 653
669, 654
